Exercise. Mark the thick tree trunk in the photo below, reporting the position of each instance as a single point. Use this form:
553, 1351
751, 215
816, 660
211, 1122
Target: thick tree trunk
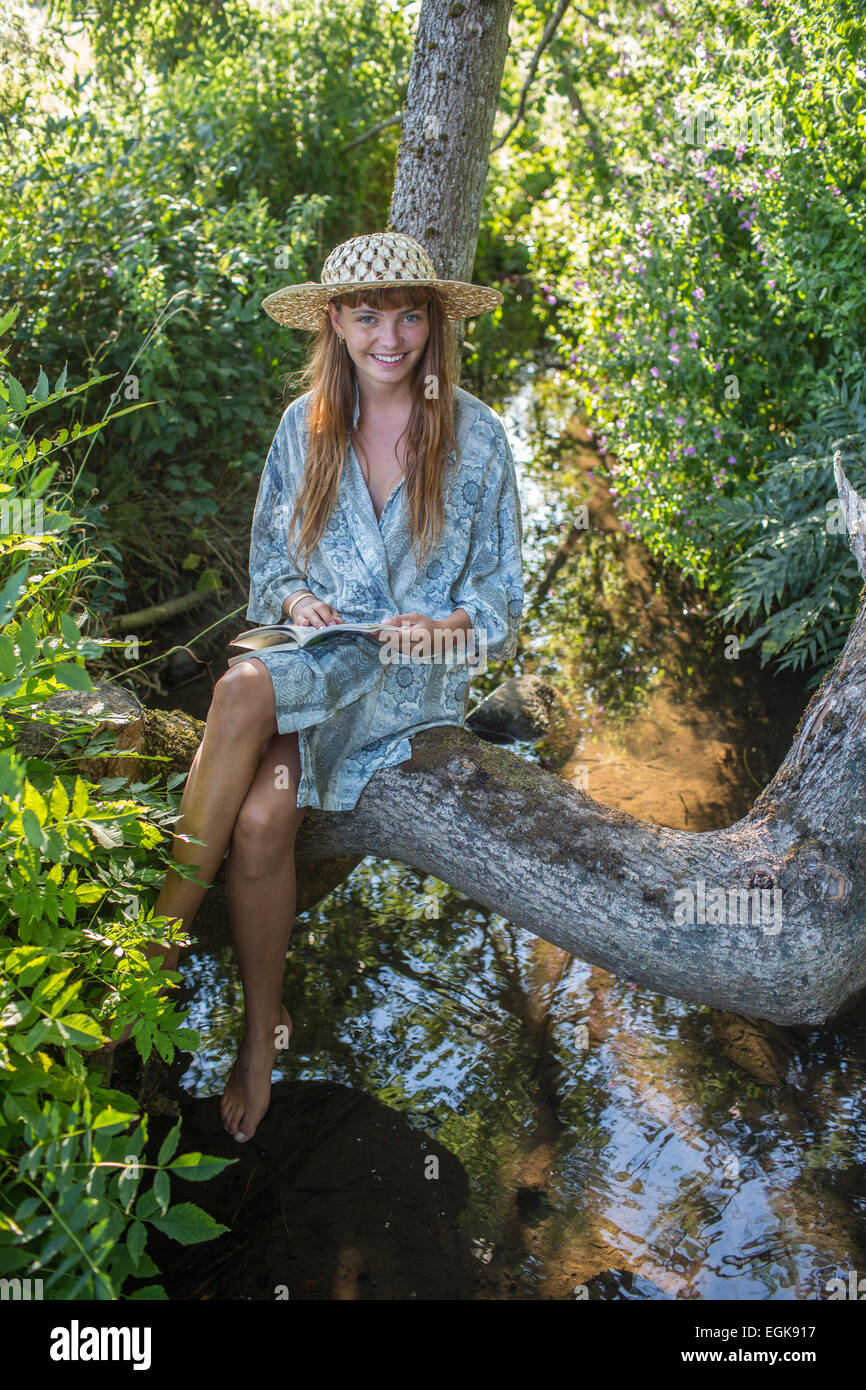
457, 65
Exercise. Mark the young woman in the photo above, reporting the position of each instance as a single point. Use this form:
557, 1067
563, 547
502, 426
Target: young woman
388, 494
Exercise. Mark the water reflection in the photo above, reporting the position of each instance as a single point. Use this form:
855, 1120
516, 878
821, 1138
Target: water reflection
617, 1144
632, 1147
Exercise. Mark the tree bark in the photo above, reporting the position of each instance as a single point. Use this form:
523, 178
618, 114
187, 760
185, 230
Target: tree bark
457, 64
604, 886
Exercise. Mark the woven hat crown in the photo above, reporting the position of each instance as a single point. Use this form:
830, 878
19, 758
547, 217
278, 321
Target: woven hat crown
379, 256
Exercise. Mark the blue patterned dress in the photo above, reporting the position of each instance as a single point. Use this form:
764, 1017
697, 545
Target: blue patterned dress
353, 712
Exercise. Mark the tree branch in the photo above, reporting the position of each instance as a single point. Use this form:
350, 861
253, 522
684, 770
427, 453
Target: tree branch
549, 30
372, 130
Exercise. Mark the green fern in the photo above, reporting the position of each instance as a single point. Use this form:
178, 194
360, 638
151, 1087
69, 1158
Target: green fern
797, 571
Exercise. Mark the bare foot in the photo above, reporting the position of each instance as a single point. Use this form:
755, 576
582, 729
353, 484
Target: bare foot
248, 1091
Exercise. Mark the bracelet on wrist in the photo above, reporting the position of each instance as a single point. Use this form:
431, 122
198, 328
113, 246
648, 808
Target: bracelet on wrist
301, 599
307, 593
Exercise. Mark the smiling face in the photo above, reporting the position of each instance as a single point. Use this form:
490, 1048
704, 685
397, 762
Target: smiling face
384, 344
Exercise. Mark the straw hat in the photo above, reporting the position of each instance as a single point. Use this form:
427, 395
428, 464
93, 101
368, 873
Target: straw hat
381, 259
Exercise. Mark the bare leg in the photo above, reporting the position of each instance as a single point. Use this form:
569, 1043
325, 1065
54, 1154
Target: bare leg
260, 878
242, 717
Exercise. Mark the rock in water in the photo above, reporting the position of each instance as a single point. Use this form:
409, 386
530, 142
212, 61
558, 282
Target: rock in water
523, 707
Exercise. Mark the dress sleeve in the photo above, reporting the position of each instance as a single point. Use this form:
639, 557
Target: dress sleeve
490, 586
272, 575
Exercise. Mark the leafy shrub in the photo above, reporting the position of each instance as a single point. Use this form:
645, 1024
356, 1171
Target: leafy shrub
149, 213
707, 300
79, 859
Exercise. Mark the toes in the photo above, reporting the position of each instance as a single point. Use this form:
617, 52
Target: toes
243, 1129
230, 1115
246, 1128
246, 1124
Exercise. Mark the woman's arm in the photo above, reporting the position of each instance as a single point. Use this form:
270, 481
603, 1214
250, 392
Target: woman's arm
488, 594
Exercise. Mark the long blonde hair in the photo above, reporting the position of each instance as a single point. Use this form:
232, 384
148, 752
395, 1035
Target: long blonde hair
430, 436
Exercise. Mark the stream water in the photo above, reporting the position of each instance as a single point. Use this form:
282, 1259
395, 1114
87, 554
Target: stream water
609, 1142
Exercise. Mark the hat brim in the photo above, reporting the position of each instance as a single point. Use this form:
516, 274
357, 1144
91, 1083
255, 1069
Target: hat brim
301, 306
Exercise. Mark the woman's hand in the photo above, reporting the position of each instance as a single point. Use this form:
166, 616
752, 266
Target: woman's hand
315, 612
411, 626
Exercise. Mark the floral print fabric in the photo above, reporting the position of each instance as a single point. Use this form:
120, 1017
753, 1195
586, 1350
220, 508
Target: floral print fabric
353, 712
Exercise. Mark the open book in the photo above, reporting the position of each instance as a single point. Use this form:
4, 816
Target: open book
290, 635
